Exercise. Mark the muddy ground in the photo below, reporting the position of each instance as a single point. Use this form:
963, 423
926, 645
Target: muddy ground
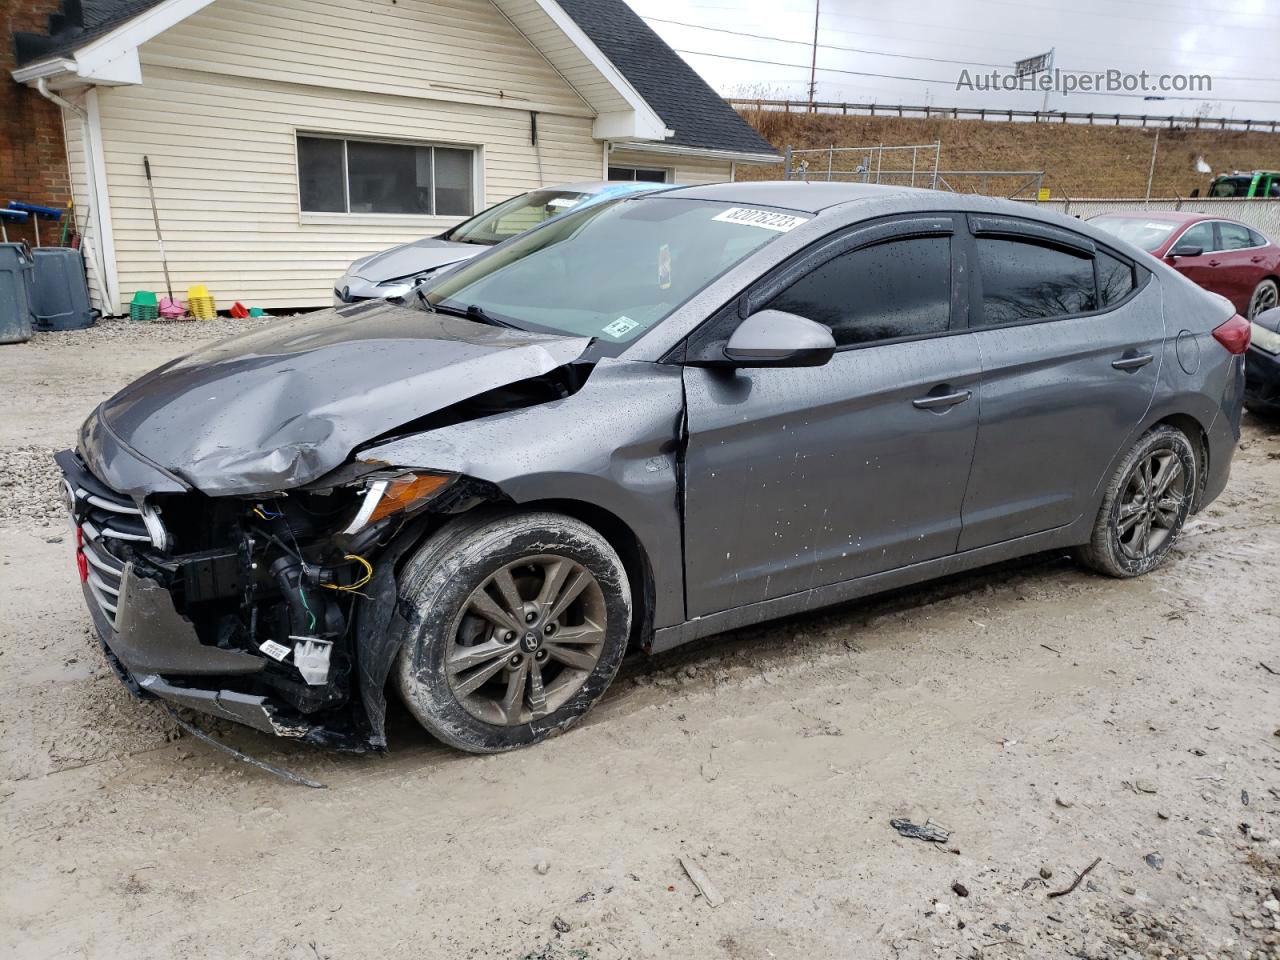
1046, 717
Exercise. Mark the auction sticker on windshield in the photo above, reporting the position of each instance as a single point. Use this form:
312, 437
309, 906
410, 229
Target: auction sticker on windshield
620, 327
768, 219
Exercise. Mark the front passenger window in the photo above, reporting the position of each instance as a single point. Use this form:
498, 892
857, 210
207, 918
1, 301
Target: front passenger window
901, 288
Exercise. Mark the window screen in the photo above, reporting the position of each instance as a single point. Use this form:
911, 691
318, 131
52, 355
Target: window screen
359, 176
896, 289
1115, 279
1028, 281
321, 180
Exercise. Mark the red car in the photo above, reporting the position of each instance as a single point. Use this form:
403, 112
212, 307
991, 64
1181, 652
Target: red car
1223, 256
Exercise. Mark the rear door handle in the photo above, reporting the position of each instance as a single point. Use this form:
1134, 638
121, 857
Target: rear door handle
1136, 362
1256, 259
1214, 263
932, 401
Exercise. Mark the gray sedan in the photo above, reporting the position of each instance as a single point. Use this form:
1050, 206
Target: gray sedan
641, 423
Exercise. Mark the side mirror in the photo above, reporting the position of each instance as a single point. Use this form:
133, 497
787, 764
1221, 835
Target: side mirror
1185, 251
773, 338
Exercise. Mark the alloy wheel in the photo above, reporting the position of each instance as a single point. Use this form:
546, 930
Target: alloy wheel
529, 637
1264, 298
1150, 510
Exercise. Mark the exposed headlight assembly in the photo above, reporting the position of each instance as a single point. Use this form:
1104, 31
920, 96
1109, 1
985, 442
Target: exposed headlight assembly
386, 496
1265, 339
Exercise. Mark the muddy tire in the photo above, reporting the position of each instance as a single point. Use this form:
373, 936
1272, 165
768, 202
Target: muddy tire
519, 624
1265, 296
1145, 505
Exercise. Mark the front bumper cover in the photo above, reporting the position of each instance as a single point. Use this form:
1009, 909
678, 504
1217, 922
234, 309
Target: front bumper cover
153, 637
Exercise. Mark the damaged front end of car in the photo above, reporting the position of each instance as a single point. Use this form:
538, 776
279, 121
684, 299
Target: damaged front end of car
240, 559
276, 611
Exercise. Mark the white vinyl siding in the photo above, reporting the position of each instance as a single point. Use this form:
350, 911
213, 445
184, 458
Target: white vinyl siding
686, 171
223, 156
459, 50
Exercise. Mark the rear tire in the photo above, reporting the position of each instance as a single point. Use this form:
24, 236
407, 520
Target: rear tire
1145, 505
1265, 296
520, 623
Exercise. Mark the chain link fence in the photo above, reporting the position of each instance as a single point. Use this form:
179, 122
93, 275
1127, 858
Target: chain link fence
1262, 215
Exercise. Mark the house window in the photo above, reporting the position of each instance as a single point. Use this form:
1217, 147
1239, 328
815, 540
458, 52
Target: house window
644, 175
367, 176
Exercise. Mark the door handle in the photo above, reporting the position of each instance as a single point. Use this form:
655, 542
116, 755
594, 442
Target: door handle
1135, 362
1214, 263
1256, 259
933, 402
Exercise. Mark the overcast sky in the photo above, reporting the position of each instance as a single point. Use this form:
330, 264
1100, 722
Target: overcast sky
1236, 42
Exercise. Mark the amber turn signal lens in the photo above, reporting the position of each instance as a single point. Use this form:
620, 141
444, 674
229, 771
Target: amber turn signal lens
407, 492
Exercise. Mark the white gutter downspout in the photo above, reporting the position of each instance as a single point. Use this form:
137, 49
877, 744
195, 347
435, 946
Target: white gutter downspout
91, 147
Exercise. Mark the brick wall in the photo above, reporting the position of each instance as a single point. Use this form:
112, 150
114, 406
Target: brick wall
33, 156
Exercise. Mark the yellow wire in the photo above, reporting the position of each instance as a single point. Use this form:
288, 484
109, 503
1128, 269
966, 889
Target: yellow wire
258, 511
368, 575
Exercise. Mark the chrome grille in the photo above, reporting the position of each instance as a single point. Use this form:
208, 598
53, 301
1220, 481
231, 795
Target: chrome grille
111, 524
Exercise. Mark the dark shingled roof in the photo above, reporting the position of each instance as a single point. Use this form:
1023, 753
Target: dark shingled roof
697, 114
687, 105
77, 23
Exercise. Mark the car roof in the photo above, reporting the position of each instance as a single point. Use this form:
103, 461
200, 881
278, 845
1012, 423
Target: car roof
801, 195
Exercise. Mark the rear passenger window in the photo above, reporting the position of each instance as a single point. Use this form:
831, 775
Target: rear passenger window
1235, 236
897, 289
1115, 279
1028, 281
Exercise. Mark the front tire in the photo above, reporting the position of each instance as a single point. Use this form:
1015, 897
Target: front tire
521, 623
1145, 505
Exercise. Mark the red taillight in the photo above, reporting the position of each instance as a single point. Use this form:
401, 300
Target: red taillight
1234, 334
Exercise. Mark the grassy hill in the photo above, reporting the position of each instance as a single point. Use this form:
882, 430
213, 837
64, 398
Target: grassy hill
1078, 160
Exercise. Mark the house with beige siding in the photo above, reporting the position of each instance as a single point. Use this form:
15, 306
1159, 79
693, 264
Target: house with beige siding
289, 137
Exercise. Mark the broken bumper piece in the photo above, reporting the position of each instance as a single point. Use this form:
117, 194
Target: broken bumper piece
249, 709
150, 636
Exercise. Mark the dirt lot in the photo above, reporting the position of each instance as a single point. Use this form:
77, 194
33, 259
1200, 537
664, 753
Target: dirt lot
1046, 717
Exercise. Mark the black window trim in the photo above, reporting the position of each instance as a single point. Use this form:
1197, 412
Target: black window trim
701, 342
1031, 231
860, 237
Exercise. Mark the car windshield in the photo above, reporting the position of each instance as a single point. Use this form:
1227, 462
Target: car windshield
516, 216
612, 270
1140, 231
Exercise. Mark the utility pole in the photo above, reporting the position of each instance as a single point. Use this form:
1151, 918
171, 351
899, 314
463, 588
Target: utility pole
813, 64
1151, 174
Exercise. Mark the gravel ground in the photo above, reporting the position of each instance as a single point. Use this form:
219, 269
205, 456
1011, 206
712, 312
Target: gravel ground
1045, 717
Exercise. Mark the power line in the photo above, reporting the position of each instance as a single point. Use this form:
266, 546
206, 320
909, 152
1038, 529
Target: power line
894, 76
904, 56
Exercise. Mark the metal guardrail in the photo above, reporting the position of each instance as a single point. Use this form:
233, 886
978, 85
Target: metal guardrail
985, 113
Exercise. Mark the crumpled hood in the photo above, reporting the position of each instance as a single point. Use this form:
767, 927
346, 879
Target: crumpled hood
409, 259
284, 405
